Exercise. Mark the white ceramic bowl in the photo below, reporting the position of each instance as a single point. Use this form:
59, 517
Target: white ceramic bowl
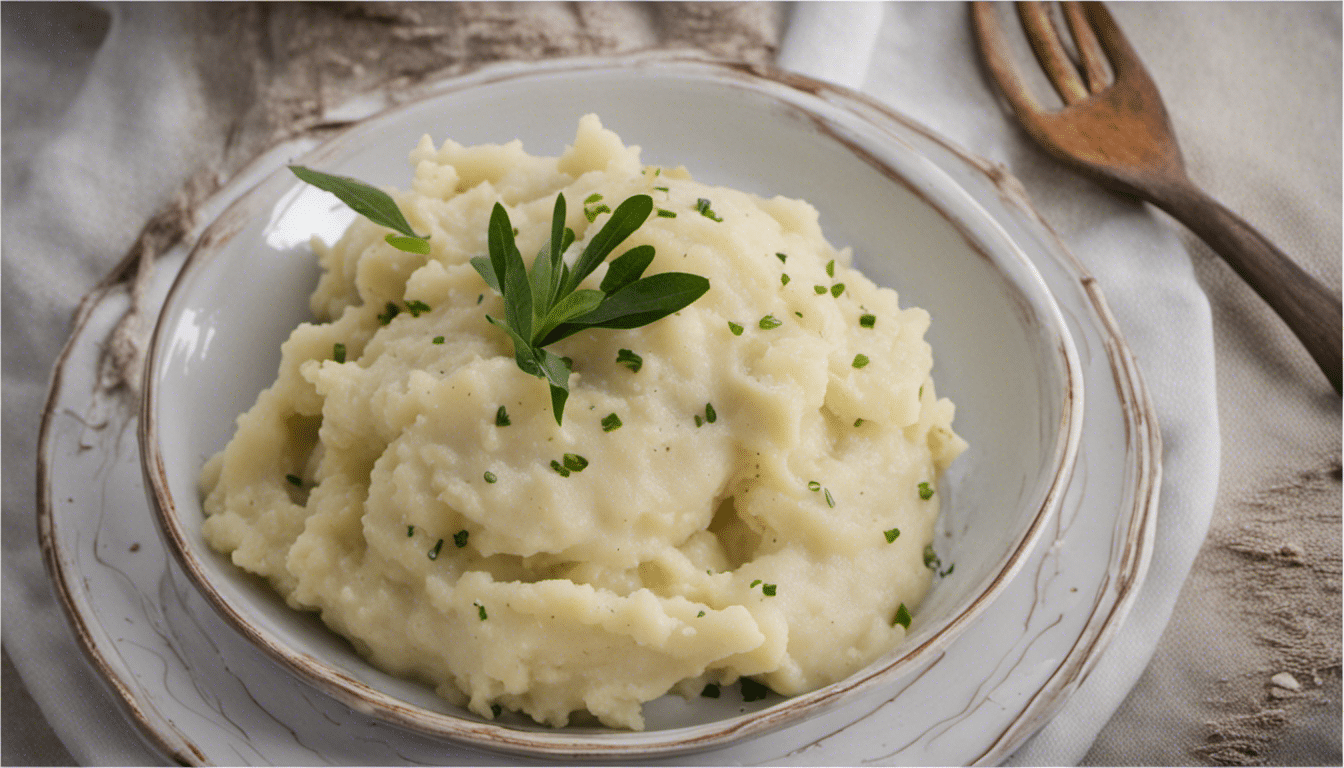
1001, 351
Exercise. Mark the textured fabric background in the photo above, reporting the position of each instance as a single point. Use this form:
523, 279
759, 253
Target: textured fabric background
1254, 90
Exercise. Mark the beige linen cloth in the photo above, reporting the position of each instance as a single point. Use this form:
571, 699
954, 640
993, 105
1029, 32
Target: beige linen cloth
1231, 656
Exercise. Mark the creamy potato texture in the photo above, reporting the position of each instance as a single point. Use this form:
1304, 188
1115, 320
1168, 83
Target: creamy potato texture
740, 520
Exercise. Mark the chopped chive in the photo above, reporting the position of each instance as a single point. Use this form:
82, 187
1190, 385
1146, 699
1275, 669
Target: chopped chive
496, 710
460, 538
948, 572
769, 321
711, 691
921, 391
593, 213
837, 289
819, 289
490, 476
783, 257
754, 583
735, 328
574, 462
392, 311
410, 531
502, 417
752, 690
830, 268
868, 321
416, 307
611, 421
860, 360
593, 198
700, 615
768, 590
630, 360
559, 468
830, 500
925, 491
438, 339
338, 352
480, 298
666, 214
702, 205
931, 559
699, 420
813, 485
902, 617
784, 279
892, 534
661, 189
434, 553
858, 422
711, 415
295, 480
480, 611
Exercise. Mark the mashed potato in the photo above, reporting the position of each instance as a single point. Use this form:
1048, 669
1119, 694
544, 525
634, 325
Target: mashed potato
758, 491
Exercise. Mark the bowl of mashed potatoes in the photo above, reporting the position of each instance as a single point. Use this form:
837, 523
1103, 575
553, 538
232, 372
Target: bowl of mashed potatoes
786, 493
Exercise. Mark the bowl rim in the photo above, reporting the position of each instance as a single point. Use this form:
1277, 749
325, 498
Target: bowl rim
613, 744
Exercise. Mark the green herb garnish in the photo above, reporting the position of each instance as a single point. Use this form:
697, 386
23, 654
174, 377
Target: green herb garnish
770, 321
752, 690
892, 534
295, 480
754, 583
438, 340
502, 417
546, 305
830, 268
490, 476
338, 352
735, 328
813, 485
784, 279
819, 289
460, 538
371, 203
702, 205
830, 500
837, 289
416, 307
783, 257
931, 559
666, 214
925, 491
902, 617
611, 421
390, 312
629, 360
410, 531
711, 691
860, 360
711, 415
480, 611
868, 321
575, 462
434, 553
559, 468
768, 590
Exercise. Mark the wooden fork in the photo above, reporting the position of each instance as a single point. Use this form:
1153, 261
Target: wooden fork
1116, 130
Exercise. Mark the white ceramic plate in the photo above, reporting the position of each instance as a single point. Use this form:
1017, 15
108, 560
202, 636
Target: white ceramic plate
202, 693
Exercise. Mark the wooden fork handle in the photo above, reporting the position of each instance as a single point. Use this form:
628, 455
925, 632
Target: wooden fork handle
1310, 309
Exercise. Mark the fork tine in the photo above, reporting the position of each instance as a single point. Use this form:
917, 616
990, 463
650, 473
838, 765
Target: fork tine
1089, 50
1124, 59
998, 58
1045, 43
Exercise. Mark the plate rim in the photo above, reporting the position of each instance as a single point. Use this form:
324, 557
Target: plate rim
1139, 408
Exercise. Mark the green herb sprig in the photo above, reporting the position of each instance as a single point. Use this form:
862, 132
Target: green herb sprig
371, 203
546, 305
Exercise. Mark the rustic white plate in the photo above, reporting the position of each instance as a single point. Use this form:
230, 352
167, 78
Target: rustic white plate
202, 693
